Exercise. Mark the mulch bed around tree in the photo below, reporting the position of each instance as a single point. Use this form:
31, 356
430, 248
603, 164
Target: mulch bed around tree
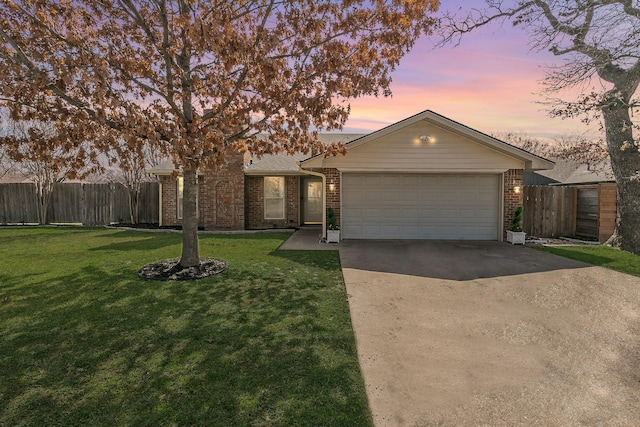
171, 269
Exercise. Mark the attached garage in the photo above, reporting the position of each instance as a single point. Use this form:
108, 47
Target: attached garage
425, 177
420, 206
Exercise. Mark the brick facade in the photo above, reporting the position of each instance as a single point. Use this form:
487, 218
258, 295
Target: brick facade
220, 197
512, 179
169, 195
222, 201
254, 203
332, 191
230, 200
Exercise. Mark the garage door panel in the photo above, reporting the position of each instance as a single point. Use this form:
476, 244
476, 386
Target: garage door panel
371, 230
420, 206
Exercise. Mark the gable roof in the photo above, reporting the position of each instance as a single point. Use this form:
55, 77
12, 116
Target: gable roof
531, 161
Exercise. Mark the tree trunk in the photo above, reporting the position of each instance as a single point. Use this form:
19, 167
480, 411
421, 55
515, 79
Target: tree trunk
190, 255
43, 194
625, 162
39, 190
134, 202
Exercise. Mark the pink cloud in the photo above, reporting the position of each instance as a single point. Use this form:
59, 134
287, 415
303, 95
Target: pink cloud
489, 82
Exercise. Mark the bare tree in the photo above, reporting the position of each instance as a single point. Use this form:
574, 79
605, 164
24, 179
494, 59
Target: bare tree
39, 156
131, 172
6, 165
599, 41
584, 150
529, 143
203, 78
580, 149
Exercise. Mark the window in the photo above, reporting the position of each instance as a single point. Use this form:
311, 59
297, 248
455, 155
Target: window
180, 196
274, 197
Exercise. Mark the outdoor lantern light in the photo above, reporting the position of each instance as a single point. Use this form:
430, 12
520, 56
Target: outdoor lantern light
332, 186
516, 187
424, 139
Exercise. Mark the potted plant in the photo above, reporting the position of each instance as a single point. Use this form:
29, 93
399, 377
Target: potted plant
333, 231
516, 236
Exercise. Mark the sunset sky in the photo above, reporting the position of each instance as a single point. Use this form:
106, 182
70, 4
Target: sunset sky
489, 82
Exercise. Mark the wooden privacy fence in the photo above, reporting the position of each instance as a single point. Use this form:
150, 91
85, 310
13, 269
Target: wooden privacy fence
88, 204
585, 211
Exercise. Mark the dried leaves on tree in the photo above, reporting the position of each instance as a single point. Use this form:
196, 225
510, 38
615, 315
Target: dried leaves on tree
198, 78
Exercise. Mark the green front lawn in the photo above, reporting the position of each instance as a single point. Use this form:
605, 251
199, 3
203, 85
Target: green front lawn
600, 255
83, 341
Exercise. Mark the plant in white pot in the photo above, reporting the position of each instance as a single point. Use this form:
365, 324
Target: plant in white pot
333, 231
516, 236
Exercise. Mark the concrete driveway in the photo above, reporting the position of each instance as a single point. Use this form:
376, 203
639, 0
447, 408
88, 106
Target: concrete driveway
486, 333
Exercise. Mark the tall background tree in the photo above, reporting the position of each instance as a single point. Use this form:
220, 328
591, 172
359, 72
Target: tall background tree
199, 78
5, 163
599, 42
580, 149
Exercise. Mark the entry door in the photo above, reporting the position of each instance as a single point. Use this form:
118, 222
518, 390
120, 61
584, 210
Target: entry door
312, 201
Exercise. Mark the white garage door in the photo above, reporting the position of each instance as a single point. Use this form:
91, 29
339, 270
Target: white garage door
415, 206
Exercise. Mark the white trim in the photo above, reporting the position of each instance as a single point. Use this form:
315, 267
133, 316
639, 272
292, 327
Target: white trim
179, 204
284, 197
341, 198
300, 220
324, 197
501, 209
430, 171
160, 205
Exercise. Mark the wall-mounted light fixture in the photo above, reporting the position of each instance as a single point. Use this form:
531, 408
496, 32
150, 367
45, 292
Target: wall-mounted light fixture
425, 139
332, 186
516, 187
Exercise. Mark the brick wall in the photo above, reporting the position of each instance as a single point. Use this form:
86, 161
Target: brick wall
333, 195
170, 202
512, 178
169, 207
222, 195
254, 203
292, 202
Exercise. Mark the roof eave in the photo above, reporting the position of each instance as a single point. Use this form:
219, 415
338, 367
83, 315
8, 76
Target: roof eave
272, 173
531, 161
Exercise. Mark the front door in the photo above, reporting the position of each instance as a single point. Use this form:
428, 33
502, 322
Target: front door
312, 200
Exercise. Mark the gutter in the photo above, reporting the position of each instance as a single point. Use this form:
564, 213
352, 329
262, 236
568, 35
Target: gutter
324, 196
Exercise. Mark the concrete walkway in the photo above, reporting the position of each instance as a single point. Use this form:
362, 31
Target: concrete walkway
486, 333
308, 238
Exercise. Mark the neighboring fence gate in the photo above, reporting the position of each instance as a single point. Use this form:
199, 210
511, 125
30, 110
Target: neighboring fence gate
586, 211
88, 204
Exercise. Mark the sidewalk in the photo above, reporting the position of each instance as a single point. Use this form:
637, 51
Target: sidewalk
308, 238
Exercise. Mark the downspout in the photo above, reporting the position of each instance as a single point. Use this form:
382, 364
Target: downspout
160, 205
324, 196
